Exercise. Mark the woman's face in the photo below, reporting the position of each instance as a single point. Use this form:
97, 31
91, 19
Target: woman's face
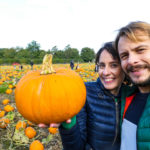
110, 72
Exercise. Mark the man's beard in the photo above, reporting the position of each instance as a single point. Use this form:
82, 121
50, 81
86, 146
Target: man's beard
139, 83
142, 84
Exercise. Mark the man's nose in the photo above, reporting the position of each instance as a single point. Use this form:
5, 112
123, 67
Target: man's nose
133, 59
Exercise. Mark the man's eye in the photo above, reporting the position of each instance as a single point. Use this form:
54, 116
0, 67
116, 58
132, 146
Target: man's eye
123, 57
140, 50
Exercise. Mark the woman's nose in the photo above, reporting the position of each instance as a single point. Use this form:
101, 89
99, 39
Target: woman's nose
106, 71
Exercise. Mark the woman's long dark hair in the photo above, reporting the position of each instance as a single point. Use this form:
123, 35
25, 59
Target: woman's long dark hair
109, 47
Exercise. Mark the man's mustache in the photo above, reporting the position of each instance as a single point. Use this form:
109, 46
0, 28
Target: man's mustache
131, 68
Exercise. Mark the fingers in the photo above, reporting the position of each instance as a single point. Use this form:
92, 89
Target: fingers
68, 121
41, 125
55, 125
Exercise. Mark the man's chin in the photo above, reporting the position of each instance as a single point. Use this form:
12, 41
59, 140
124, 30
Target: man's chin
142, 83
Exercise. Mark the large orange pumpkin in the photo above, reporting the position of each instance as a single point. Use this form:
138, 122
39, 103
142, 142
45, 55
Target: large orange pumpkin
50, 96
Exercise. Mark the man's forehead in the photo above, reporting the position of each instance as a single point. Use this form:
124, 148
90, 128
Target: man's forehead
137, 35
137, 38
126, 44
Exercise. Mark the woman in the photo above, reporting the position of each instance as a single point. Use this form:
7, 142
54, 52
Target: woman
96, 127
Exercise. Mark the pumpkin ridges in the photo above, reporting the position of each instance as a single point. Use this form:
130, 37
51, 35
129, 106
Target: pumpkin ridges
37, 99
60, 93
27, 99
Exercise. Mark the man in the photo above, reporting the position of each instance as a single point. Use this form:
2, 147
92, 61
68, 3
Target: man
133, 46
72, 64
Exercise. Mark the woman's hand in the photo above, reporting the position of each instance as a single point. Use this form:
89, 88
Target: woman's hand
53, 125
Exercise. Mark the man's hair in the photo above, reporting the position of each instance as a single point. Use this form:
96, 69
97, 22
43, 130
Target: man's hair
133, 31
109, 47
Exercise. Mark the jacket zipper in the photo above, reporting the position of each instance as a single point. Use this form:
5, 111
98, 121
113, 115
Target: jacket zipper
117, 120
117, 116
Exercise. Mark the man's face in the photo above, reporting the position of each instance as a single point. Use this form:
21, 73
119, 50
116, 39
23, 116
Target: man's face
135, 59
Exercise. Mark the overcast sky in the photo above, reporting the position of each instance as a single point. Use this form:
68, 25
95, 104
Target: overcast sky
80, 23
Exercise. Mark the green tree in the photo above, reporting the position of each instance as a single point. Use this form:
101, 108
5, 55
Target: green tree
87, 54
42, 54
18, 48
71, 53
9, 53
54, 50
23, 54
1, 53
33, 46
34, 49
67, 47
59, 54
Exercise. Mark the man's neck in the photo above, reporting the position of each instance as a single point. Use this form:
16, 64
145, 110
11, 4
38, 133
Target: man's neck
145, 89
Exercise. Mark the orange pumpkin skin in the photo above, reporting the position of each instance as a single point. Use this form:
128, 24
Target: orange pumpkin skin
2, 113
51, 98
52, 130
30, 123
20, 124
36, 145
30, 132
8, 108
8, 91
4, 122
5, 101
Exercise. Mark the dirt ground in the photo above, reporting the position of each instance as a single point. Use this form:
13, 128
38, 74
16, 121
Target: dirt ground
51, 142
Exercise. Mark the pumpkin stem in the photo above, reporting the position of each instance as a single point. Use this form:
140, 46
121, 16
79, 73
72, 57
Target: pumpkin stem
47, 65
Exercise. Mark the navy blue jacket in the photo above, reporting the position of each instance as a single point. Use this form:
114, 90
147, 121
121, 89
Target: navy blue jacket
97, 124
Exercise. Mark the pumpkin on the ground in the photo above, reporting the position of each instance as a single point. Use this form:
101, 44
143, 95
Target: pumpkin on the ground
36, 145
5, 101
50, 96
8, 108
30, 132
4, 122
9, 91
53, 130
2, 113
30, 123
20, 124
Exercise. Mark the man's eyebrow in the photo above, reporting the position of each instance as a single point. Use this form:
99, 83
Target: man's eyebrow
140, 46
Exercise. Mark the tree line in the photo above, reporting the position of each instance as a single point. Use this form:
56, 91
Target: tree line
33, 53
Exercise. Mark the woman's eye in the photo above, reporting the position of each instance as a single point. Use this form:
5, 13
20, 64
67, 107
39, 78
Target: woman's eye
101, 66
114, 65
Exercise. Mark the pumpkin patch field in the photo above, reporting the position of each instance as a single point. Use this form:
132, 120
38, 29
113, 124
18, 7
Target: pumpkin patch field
22, 133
